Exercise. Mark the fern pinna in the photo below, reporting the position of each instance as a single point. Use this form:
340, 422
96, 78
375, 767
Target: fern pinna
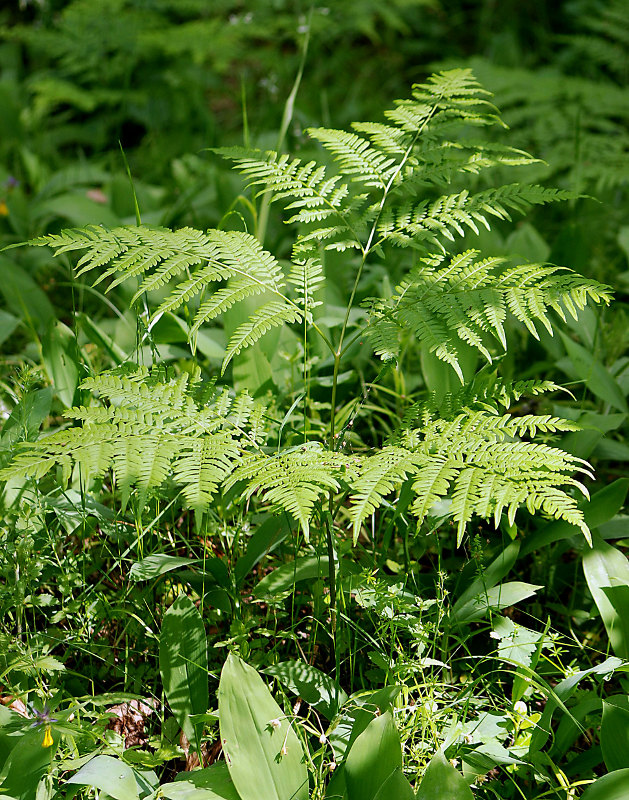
376, 196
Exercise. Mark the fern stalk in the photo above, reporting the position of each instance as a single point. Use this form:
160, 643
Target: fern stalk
339, 350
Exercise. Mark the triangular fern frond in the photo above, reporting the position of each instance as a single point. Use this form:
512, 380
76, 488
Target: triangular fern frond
468, 300
151, 429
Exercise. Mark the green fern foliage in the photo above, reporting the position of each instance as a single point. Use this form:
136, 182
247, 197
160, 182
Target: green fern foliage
156, 257
481, 461
377, 190
382, 167
467, 299
413, 223
293, 480
149, 429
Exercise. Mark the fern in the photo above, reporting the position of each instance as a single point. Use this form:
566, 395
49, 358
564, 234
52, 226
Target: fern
479, 461
377, 190
293, 480
411, 223
161, 255
468, 300
151, 429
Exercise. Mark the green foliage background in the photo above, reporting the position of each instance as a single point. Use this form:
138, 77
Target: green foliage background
187, 503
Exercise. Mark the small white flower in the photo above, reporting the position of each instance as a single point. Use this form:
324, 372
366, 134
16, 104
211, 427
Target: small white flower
275, 724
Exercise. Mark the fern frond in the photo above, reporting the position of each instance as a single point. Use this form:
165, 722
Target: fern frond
293, 480
314, 195
151, 429
379, 475
412, 223
307, 278
201, 465
475, 459
468, 300
356, 157
161, 255
268, 316
224, 299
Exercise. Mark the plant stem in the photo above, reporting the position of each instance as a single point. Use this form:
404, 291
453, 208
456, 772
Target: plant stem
287, 116
332, 580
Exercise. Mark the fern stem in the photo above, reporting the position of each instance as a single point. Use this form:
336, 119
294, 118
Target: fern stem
339, 350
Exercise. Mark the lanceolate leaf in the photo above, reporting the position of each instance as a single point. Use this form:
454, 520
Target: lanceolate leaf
614, 786
316, 688
183, 664
213, 783
263, 753
443, 782
374, 756
607, 574
615, 732
396, 786
110, 775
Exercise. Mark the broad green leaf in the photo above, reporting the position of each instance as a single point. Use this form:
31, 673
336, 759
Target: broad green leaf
8, 323
267, 536
603, 506
614, 786
615, 732
158, 564
607, 573
498, 597
337, 789
283, 578
593, 429
183, 664
23, 296
490, 576
571, 727
442, 781
303, 568
78, 210
396, 787
561, 693
375, 755
526, 242
317, 689
356, 715
98, 336
263, 753
109, 775
26, 764
213, 783
597, 378
26, 418
62, 361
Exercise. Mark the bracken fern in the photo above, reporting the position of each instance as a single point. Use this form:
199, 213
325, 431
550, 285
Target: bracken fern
374, 194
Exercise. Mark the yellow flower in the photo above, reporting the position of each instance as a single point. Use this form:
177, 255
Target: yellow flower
4, 209
47, 737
